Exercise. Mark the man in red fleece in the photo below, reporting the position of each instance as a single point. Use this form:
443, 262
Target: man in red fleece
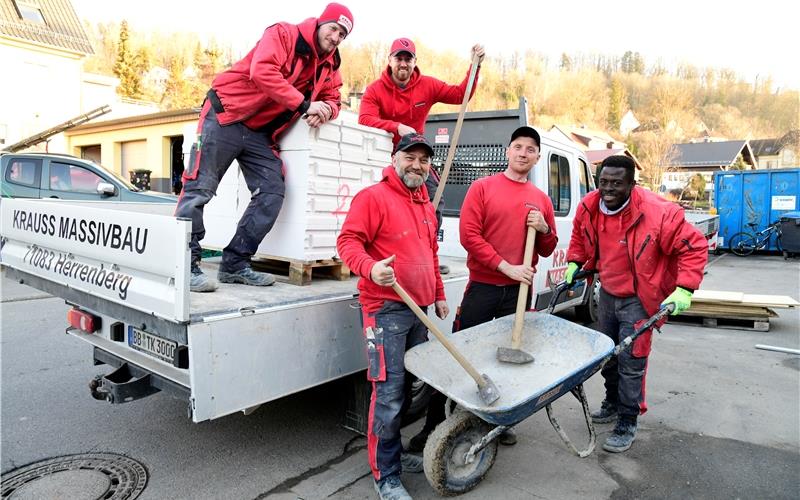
495, 215
292, 71
390, 234
647, 256
399, 101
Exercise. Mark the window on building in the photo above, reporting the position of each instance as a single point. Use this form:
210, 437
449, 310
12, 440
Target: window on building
29, 11
559, 184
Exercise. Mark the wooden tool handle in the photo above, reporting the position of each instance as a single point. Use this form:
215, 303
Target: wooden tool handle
439, 335
516, 332
451, 152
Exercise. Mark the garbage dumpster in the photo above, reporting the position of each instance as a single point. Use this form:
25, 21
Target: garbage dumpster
790, 230
140, 178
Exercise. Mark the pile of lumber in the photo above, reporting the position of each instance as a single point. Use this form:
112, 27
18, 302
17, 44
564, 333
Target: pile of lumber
738, 310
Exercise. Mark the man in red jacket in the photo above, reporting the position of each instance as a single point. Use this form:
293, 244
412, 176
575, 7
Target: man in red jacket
647, 256
399, 101
292, 71
390, 234
495, 216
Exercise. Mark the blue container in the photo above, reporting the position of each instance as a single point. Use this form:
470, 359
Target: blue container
754, 196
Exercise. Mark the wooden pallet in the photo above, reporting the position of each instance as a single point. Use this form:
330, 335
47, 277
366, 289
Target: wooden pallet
299, 272
731, 320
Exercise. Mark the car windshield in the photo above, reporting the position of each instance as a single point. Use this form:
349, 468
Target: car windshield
123, 180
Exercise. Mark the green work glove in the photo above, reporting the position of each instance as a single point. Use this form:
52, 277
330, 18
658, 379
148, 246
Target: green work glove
682, 299
572, 268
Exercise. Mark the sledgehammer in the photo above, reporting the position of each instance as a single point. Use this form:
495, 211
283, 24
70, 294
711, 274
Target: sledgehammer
486, 388
514, 354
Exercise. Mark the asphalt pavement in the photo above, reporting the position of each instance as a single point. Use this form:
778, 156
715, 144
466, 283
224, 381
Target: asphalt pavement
723, 419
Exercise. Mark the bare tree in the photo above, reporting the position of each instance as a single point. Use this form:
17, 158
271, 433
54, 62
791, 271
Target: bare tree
657, 155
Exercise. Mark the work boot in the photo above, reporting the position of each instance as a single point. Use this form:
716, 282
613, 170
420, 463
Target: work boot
390, 488
411, 463
444, 269
199, 282
607, 413
508, 438
417, 443
623, 435
246, 276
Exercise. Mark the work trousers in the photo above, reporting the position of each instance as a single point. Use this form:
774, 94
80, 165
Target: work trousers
262, 169
625, 373
396, 329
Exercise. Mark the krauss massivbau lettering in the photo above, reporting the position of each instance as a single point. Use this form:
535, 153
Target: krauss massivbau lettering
109, 235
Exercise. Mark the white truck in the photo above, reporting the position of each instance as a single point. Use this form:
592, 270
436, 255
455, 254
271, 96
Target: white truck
123, 267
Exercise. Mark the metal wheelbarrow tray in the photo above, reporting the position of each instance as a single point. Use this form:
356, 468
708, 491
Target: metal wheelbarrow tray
462, 449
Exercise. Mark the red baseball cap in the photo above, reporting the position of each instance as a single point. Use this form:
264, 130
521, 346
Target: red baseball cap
403, 45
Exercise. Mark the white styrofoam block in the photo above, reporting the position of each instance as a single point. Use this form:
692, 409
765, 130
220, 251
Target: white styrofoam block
323, 173
349, 171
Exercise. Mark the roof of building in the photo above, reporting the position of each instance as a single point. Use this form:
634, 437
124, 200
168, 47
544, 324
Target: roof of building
769, 147
61, 28
710, 154
583, 135
596, 156
175, 115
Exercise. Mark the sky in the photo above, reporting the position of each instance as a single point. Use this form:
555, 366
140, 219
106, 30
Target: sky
755, 39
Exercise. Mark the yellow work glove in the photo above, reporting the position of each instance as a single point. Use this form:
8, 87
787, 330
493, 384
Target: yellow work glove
572, 268
682, 299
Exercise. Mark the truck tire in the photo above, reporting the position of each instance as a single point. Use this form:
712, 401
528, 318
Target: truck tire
420, 397
587, 312
443, 458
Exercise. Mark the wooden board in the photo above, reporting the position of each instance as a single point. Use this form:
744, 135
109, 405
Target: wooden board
744, 299
299, 272
730, 311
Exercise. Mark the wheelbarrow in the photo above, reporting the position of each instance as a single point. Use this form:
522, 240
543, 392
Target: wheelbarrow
463, 448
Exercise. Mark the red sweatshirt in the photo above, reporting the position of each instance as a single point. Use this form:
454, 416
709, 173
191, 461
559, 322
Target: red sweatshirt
493, 226
615, 270
385, 105
388, 219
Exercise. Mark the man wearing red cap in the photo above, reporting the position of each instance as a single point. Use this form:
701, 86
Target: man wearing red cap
292, 72
399, 101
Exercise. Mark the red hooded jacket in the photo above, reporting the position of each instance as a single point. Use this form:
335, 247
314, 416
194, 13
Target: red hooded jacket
277, 77
388, 219
664, 251
385, 105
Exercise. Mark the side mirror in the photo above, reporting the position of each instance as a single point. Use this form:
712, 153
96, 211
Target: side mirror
106, 189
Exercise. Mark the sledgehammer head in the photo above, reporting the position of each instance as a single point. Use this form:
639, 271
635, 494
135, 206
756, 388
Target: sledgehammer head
516, 356
488, 391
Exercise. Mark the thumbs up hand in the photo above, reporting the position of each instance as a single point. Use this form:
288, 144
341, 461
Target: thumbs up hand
382, 273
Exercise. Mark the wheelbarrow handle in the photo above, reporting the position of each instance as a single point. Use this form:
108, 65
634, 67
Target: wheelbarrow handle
561, 287
627, 341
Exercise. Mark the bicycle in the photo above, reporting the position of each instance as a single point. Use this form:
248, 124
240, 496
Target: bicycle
744, 243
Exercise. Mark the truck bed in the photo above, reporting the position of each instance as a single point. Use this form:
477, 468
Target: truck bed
234, 299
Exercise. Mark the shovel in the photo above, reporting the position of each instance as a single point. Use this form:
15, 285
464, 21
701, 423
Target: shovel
486, 388
514, 354
451, 151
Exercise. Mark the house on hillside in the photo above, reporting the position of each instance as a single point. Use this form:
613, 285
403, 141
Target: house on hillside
777, 153
628, 123
596, 157
586, 138
705, 158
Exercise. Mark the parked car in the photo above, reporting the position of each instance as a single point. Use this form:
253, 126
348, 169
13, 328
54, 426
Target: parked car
45, 175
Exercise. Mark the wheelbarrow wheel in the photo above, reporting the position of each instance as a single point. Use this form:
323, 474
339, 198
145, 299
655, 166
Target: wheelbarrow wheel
444, 455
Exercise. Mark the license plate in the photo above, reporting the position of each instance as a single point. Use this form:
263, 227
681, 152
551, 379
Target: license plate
151, 344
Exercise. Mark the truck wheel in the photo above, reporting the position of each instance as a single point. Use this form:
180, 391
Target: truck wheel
420, 397
443, 458
587, 312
